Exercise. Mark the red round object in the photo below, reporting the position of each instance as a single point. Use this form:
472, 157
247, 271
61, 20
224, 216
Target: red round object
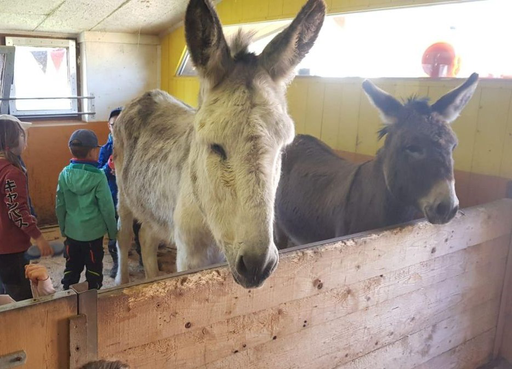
440, 60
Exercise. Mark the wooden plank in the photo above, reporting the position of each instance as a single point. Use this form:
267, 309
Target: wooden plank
165, 307
506, 346
339, 341
288, 322
331, 113
314, 108
348, 120
297, 95
405, 90
420, 347
506, 157
470, 355
40, 329
165, 51
255, 10
275, 9
506, 297
491, 131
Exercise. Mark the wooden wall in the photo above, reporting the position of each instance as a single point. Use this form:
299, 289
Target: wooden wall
40, 329
505, 345
418, 296
46, 155
337, 111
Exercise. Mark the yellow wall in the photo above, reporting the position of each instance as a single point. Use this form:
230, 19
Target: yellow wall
337, 111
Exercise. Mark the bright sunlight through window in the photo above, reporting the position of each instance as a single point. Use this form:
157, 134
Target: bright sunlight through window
393, 43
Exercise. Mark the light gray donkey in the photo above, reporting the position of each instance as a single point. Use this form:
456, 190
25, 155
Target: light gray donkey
206, 179
322, 196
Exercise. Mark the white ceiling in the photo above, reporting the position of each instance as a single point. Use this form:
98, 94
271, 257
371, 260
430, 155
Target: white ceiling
150, 17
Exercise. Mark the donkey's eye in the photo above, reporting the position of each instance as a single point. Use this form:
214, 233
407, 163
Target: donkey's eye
219, 150
415, 150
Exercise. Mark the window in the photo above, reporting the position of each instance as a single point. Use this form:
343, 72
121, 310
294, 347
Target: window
44, 69
393, 42
263, 33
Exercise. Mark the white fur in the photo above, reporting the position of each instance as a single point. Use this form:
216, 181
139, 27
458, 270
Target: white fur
172, 181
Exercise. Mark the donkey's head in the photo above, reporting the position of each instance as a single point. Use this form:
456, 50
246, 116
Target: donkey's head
241, 128
417, 155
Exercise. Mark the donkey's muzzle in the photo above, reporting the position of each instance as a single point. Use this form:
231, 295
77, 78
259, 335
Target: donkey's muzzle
441, 213
253, 269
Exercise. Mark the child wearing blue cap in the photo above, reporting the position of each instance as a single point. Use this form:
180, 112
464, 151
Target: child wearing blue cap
85, 211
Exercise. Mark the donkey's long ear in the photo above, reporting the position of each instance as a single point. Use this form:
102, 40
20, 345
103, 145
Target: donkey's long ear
289, 47
388, 106
450, 105
206, 42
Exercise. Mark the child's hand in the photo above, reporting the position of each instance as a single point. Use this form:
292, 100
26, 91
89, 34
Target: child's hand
44, 246
36, 273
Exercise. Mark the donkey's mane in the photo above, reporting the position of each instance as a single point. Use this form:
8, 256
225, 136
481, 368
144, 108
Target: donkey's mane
239, 44
419, 105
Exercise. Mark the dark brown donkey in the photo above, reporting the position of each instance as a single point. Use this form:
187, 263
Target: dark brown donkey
322, 196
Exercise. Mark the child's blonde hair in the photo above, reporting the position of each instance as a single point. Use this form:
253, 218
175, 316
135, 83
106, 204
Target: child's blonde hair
10, 131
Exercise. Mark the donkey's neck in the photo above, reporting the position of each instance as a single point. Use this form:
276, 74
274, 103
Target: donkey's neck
370, 204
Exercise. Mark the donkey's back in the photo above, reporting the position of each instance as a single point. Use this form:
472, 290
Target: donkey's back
153, 132
313, 178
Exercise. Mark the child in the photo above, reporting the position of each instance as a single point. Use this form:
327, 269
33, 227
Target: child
106, 165
85, 211
17, 225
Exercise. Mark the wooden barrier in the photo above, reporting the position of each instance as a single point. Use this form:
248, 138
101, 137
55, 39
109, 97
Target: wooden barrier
504, 338
414, 297
40, 329
417, 296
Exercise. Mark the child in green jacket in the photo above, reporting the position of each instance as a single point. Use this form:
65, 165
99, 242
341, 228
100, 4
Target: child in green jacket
85, 211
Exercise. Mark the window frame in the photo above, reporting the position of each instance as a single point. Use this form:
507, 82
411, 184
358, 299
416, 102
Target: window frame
6, 77
71, 46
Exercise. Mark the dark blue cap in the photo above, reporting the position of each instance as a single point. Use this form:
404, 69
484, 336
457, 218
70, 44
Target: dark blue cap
83, 138
115, 112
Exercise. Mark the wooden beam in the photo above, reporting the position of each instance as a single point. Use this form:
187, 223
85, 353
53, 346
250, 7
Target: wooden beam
78, 349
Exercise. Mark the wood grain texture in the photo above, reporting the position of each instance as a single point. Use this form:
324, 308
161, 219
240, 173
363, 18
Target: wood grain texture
340, 304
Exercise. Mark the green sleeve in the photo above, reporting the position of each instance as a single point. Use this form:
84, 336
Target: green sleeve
60, 206
106, 205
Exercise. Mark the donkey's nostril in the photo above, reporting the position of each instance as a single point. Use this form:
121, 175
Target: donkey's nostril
442, 209
241, 267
